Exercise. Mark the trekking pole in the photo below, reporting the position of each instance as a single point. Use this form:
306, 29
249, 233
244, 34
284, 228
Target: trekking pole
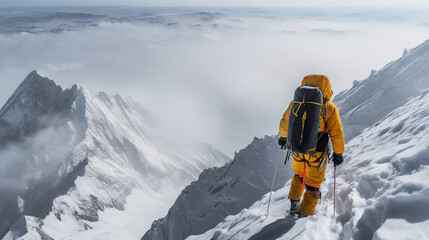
335, 174
272, 185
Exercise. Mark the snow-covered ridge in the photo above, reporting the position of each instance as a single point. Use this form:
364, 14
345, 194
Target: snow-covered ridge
382, 189
33, 125
96, 158
253, 220
223, 191
368, 101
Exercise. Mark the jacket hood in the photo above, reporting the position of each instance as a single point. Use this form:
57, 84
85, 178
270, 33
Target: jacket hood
320, 81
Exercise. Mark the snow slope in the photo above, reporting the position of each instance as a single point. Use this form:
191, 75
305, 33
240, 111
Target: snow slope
251, 221
382, 188
386, 172
223, 191
81, 165
370, 100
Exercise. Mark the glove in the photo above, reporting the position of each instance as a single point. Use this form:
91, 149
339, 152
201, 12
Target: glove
282, 142
337, 159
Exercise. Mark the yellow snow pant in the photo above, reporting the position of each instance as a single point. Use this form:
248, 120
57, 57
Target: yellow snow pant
307, 172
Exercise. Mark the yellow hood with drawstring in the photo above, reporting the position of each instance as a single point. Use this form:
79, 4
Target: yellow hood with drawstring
320, 81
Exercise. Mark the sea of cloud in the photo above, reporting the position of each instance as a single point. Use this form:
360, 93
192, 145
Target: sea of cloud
221, 75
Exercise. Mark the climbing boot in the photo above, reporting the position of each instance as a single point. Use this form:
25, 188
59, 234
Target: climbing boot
294, 205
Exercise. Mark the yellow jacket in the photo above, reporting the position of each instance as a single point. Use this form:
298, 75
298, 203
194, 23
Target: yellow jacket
329, 112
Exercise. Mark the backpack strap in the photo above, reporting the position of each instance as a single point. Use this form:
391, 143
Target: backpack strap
325, 112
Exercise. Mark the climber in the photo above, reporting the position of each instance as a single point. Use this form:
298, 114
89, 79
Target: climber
309, 166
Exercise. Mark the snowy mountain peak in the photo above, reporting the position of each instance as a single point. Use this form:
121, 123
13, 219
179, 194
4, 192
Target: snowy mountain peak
35, 76
73, 158
32, 106
38, 89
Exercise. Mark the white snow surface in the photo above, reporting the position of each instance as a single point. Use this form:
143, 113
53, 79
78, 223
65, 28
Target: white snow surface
382, 190
224, 191
115, 174
252, 220
371, 99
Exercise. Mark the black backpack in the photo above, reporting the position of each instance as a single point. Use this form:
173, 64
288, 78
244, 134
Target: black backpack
304, 119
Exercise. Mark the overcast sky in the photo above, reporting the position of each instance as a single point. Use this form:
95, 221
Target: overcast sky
284, 3
223, 81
